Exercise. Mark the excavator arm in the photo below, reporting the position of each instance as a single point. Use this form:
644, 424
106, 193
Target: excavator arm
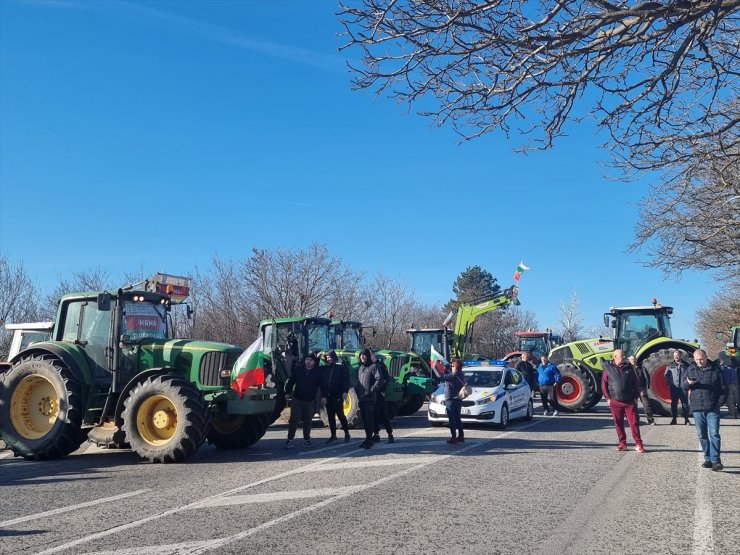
467, 314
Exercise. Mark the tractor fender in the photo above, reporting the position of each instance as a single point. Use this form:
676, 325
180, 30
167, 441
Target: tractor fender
665, 343
512, 354
136, 380
71, 357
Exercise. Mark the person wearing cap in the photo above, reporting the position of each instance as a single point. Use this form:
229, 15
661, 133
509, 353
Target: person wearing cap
336, 387
369, 380
303, 384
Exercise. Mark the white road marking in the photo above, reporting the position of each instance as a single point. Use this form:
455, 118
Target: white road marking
173, 548
71, 508
155, 549
703, 526
368, 464
274, 496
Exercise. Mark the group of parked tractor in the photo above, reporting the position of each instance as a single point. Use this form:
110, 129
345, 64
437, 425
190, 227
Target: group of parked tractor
108, 371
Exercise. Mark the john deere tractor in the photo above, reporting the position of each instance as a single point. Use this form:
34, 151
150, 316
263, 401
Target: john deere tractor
643, 331
732, 350
410, 376
111, 370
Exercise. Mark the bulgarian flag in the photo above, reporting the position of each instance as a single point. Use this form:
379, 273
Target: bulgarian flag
248, 369
438, 361
519, 271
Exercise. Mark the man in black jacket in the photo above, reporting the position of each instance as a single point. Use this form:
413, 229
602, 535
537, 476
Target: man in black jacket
675, 375
621, 390
336, 388
528, 370
643, 381
707, 391
369, 380
381, 406
304, 383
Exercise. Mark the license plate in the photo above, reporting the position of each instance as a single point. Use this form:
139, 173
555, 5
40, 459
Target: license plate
464, 411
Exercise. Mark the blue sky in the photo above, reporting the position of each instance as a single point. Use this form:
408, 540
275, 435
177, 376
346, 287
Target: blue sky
162, 133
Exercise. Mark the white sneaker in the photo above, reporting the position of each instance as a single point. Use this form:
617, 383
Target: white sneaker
555, 413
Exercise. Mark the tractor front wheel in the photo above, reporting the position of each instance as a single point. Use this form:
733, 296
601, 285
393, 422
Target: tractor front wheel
576, 389
412, 405
40, 409
165, 419
237, 431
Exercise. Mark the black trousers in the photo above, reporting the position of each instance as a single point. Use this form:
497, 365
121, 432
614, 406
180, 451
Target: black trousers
381, 416
678, 394
335, 408
547, 393
301, 410
367, 408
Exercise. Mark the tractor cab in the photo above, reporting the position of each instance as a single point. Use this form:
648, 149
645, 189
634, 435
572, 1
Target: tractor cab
287, 341
537, 343
635, 326
346, 335
422, 341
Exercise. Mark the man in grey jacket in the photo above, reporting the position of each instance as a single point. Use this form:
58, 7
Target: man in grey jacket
707, 392
675, 375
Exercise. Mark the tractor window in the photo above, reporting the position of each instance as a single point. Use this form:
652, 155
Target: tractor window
535, 345
318, 338
143, 320
736, 338
31, 337
421, 343
636, 329
351, 339
71, 321
267, 339
286, 340
95, 325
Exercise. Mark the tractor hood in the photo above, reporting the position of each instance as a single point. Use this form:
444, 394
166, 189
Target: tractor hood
183, 354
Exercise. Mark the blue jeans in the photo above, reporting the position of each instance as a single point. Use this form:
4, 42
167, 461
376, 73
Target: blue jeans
707, 429
453, 407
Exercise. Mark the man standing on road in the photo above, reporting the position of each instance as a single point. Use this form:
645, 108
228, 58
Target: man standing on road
621, 390
336, 388
643, 381
369, 380
381, 406
675, 375
526, 369
304, 383
730, 374
548, 377
707, 391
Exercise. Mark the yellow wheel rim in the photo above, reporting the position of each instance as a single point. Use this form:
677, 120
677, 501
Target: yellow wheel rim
347, 405
34, 407
228, 425
156, 420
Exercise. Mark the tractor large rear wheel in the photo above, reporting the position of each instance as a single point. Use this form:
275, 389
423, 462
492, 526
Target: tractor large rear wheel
577, 389
237, 431
40, 409
659, 392
165, 419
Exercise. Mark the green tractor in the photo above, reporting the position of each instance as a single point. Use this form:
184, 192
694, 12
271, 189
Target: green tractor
411, 377
732, 348
643, 331
111, 372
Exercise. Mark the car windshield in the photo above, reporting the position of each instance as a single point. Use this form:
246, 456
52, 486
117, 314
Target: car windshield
479, 378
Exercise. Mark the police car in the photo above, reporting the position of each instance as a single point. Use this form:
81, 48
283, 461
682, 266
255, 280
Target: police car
499, 394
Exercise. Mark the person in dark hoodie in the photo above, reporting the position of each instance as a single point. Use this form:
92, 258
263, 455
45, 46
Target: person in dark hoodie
454, 381
621, 390
707, 392
303, 384
369, 381
381, 406
336, 388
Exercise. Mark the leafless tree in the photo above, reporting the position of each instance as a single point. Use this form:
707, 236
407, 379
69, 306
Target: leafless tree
19, 299
719, 315
692, 220
95, 278
494, 332
392, 303
571, 320
645, 70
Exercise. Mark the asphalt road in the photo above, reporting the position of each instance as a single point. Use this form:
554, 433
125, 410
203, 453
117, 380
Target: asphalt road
554, 485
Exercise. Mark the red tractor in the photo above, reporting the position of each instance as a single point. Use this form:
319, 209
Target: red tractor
538, 343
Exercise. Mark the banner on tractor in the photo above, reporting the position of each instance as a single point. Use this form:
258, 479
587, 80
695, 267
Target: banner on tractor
249, 369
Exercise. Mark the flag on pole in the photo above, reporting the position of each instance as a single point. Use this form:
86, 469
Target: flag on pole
438, 361
520, 269
248, 369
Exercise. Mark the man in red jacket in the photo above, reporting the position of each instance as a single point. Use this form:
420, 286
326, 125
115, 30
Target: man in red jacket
621, 390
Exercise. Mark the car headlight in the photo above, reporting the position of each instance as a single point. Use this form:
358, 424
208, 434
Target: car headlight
441, 399
486, 400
